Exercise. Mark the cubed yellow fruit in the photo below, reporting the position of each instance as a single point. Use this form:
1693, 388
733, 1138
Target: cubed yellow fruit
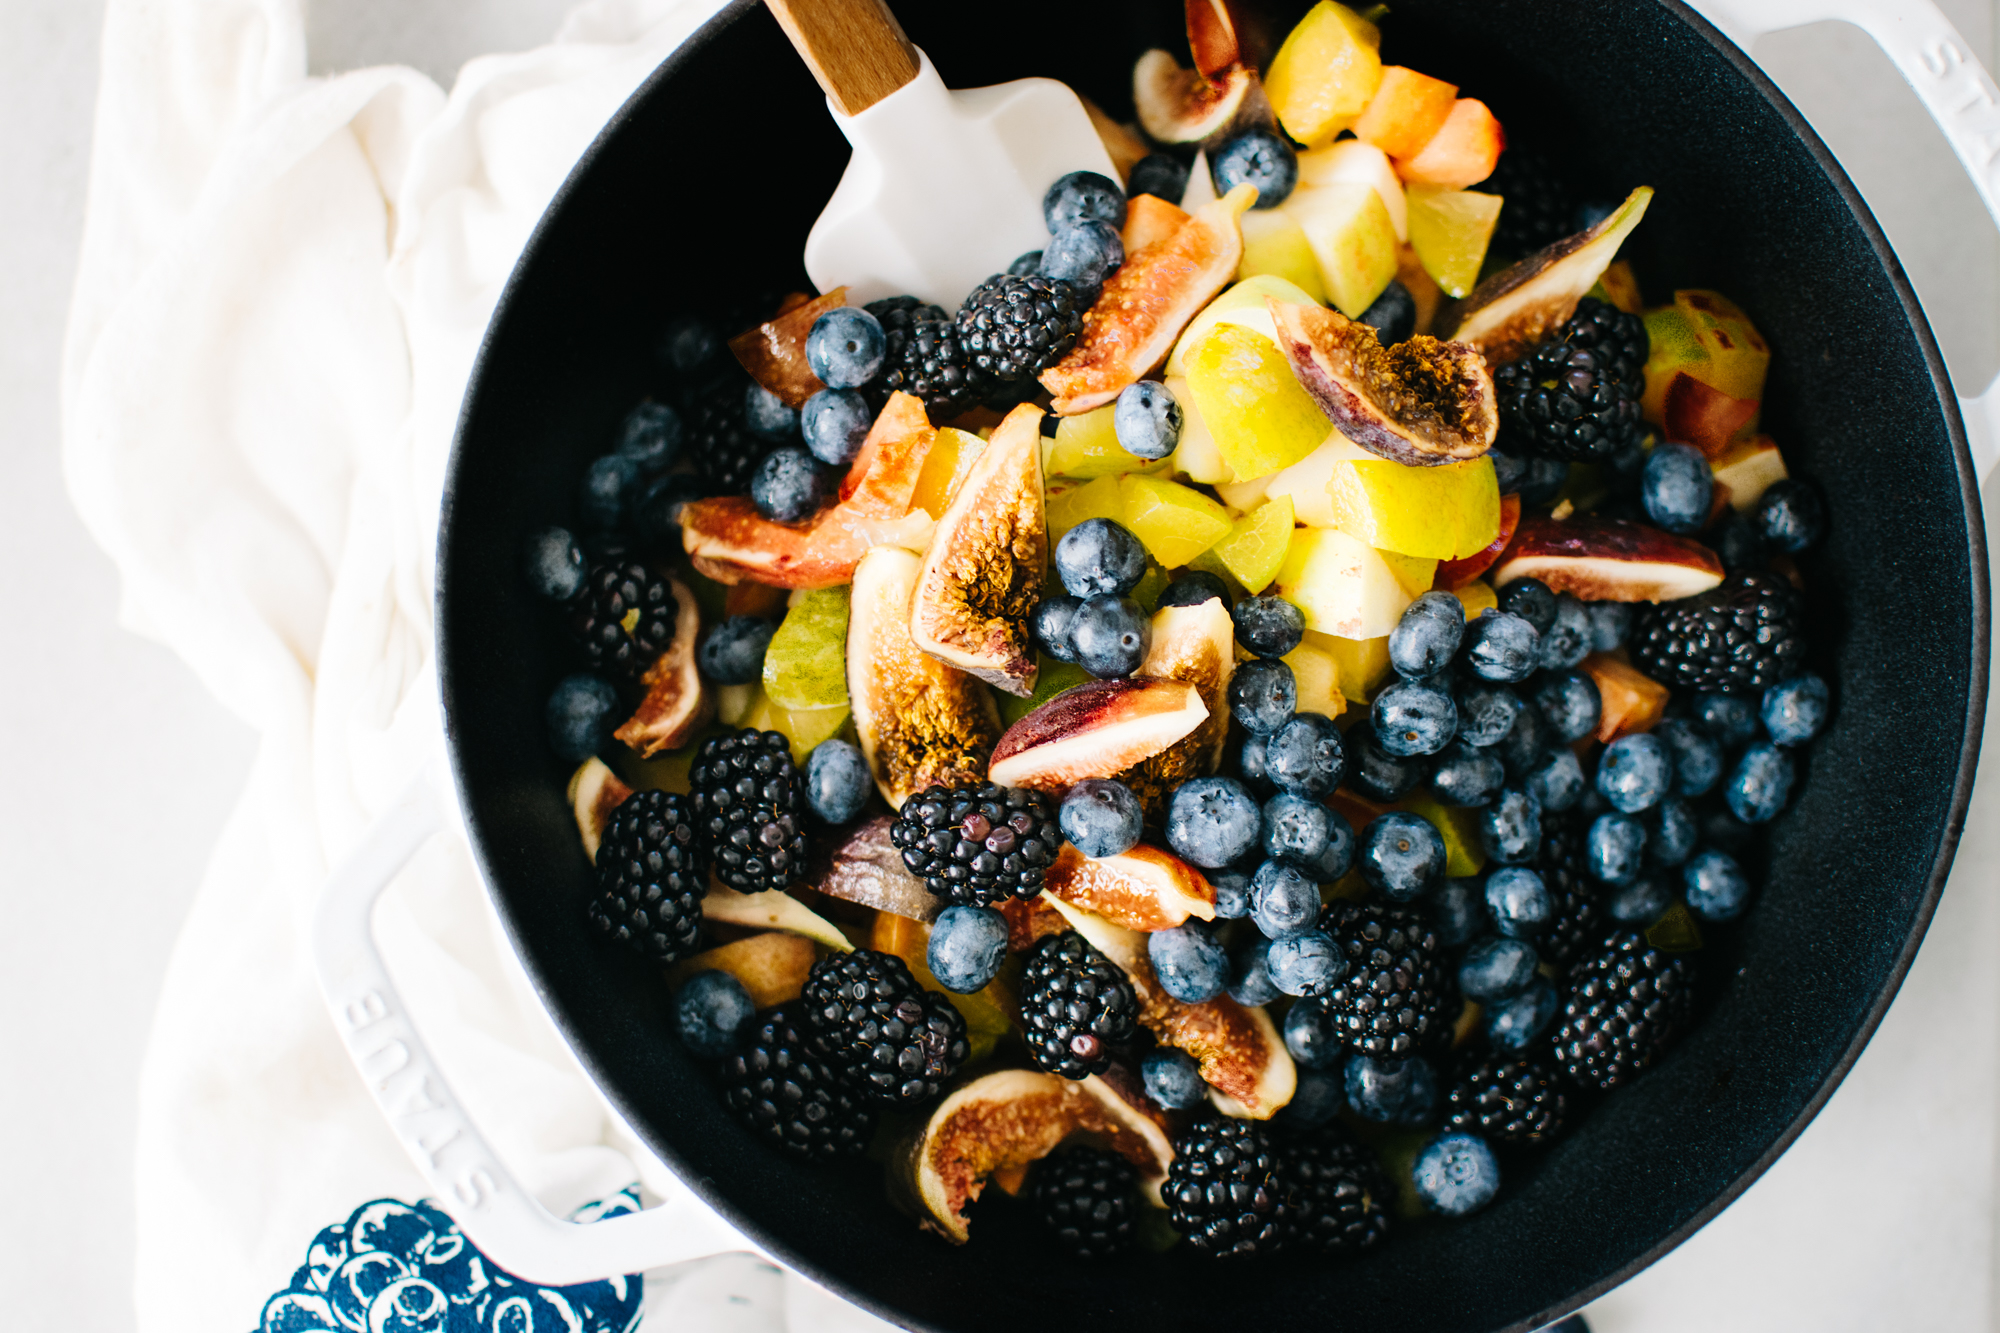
1244, 388
1254, 549
1450, 230
1196, 456
1361, 665
1446, 513
1459, 828
1175, 522
1087, 446
1318, 678
1071, 505
806, 663
1708, 337
1748, 470
1353, 238
1347, 588
950, 458
1477, 596
1324, 75
1242, 305
1276, 246
1304, 481
1352, 162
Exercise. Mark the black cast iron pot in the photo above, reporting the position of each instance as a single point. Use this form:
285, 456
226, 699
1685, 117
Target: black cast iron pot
703, 188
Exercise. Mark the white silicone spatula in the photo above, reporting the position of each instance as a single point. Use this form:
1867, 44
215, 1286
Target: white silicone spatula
945, 187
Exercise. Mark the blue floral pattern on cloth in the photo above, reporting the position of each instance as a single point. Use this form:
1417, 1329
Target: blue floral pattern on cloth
395, 1267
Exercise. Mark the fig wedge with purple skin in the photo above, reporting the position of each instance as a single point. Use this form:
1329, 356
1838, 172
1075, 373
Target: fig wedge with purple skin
1421, 402
675, 703
1096, 730
1178, 105
1608, 560
1195, 645
594, 793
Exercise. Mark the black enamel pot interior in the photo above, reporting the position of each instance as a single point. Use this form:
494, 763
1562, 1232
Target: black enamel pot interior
703, 188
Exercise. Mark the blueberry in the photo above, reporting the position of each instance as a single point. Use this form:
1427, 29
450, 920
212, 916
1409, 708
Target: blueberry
1101, 817
1147, 420
1508, 469
1790, 516
1502, 646
1677, 487
1373, 773
1111, 635
1610, 625
554, 563
1397, 1092
1731, 720
967, 946
657, 516
1393, 314
1256, 157
1299, 830
1161, 175
1531, 600
1316, 1101
1510, 829
1737, 543
650, 436
1634, 773
768, 416
1519, 901
786, 486
1672, 833
1083, 196
1232, 894
609, 488
1413, 718
1794, 710
710, 1010
1496, 967
1251, 762
581, 712
838, 783
1027, 266
1569, 704
1526, 745
1194, 587
1305, 755
1084, 253
1284, 900
1457, 912
1268, 626
1400, 854
689, 345
1312, 1035
732, 653
1761, 784
1615, 848
1099, 557
1427, 636
1559, 783
1696, 758
1191, 966
1467, 777
1566, 641
1250, 974
846, 347
1513, 1024
1542, 479
1051, 623
1212, 822
835, 422
1638, 903
1456, 1174
1308, 964
1263, 695
1173, 1079
1716, 887
1486, 714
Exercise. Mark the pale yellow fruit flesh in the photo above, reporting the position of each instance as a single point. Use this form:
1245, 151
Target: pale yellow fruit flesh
1260, 416
1070, 505
1450, 230
1347, 589
1275, 246
805, 666
1353, 238
1176, 523
1245, 305
1086, 446
1444, 513
1325, 73
1254, 549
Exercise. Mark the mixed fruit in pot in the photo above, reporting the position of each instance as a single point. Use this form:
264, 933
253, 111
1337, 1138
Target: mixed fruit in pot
1238, 735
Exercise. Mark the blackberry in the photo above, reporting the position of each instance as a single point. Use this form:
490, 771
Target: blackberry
793, 1097
1339, 1193
1226, 1190
894, 1041
598, 618
1075, 1006
1579, 921
896, 315
1621, 1009
1746, 635
1084, 1195
978, 845
1576, 396
1515, 1102
1393, 1000
934, 365
1015, 328
649, 877
749, 809
720, 441
1540, 204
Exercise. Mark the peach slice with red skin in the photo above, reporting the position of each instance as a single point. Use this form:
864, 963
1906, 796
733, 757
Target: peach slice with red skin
1144, 889
1455, 574
1608, 560
1407, 111
1096, 730
675, 703
775, 352
1706, 418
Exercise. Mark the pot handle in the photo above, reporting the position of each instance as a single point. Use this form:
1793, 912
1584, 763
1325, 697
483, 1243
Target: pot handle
1958, 92
469, 1179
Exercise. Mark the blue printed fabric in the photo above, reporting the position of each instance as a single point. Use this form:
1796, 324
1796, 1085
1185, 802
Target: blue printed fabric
396, 1267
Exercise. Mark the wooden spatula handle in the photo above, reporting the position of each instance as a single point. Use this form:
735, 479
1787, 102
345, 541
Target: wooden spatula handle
855, 48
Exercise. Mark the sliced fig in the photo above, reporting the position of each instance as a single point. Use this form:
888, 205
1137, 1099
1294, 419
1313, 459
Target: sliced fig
1180, 105
866, 868
1241, 1055
675, 703
1147, 302
1010, 1118
773, 909
1195, 645
775, 353
922, 722
1144, 889
594, 792
982, 576
884, 474
771, 966
1149, 218
1096, 730
1030, 920
1455, 574
1608, 560
1515, 309
1421, 402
